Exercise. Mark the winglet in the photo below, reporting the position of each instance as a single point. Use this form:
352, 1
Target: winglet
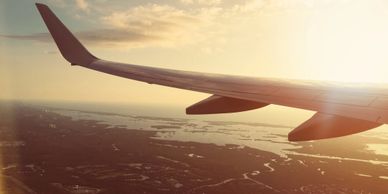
71, 49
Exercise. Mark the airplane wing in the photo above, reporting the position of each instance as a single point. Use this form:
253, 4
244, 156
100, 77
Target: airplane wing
341, 109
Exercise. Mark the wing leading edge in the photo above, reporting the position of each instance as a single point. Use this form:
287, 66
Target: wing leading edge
341, 110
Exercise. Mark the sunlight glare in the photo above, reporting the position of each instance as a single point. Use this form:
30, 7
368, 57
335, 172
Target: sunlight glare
349, 43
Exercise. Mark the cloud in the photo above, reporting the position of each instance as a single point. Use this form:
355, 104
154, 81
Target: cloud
50, 52
168, 24
144, 25
150, 16
187, 1
100, 37
37, 36
201, 2
82, 4
165, 25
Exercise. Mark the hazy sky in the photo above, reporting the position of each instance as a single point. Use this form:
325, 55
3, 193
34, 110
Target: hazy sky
344, 40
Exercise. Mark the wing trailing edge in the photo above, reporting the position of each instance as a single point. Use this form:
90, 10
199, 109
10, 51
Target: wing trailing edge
322, 126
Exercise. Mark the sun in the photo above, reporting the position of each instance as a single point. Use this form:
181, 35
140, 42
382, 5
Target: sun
349, 43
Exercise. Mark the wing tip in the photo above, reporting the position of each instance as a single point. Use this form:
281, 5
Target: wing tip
41, 6
69, 46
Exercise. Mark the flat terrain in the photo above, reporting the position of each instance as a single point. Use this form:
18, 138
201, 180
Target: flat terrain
45, 152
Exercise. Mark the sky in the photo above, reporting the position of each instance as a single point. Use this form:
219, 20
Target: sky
340, 40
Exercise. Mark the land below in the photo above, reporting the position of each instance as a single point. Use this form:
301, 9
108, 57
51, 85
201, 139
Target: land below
46, 152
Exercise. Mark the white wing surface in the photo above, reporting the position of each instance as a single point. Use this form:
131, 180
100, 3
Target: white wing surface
341, 109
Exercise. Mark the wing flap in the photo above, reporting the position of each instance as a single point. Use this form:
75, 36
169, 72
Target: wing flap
219, 104
322, 126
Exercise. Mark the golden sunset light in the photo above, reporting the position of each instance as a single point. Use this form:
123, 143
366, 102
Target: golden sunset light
314, 40
193, 96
